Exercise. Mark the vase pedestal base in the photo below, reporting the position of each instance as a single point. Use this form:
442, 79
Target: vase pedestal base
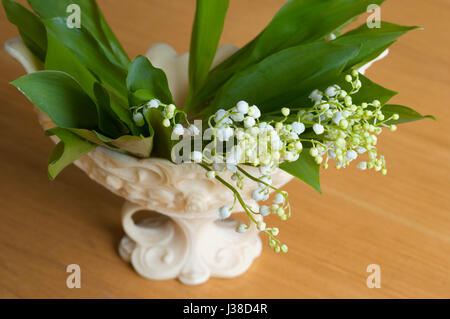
191, 249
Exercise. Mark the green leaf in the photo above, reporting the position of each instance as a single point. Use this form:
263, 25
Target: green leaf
278, 79
406, 114
91, 19
140, 97
108, 122
142, 75
297, 22
208, 26
145, 82
92, 136
338, 31
163, 142
89, 53
71, 148
123, 112
305, 168
138, 146
373, 40
59, 96
31, 29
161, 136
371, 91
60, 58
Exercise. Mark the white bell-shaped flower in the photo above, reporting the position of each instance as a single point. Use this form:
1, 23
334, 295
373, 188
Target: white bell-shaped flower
224, 212
362, 165
318, 128
242, 107
316, 96
242, 228
254, 112
154, 103
264, 210
196, 156
279, 199
194, 130
249, 121
332, 90
178, 130
351, 155
298, 127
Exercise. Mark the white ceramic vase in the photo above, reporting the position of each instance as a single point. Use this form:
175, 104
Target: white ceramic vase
183, 238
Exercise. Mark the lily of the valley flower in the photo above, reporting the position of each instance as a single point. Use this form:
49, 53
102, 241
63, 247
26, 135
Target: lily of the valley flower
342, 131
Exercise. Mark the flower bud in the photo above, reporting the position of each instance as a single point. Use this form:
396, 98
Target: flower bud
242, 228
314, 152
171, 108
264, 210
261, 226
138, 118
343, 124
224, 212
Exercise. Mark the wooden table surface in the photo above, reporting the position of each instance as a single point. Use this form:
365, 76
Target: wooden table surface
400, 222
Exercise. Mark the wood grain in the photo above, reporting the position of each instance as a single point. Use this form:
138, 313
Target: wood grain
401, 221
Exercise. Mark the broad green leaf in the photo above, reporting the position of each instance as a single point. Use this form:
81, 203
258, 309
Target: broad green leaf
297, 22
140, 96
305, 168
338, 31
142, 75
88, 51
92, 136
277, 80
406, 114
145, 82
208, 26
59, 96
138, 146
108, 122
71, 148
123, 112
60, 58
91, 19
31, 29
373, 40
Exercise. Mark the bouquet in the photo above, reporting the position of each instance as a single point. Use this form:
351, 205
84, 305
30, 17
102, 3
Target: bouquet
293, 98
